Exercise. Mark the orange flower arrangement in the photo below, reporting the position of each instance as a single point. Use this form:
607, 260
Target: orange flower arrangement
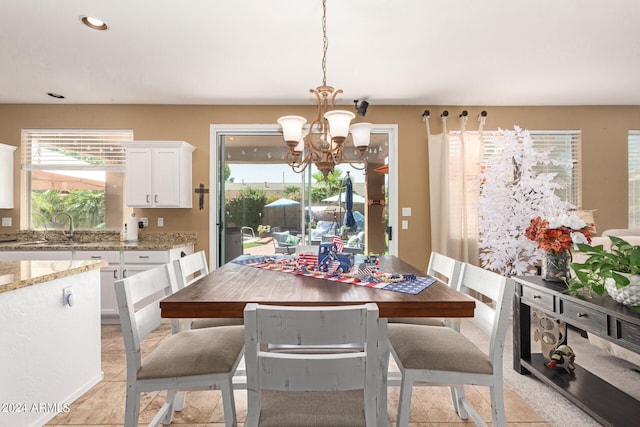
559, 234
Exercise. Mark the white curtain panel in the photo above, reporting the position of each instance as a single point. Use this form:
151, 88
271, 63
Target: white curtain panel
454, 185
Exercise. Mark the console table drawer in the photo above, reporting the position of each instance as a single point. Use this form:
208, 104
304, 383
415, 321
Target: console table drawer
630, 332
538, 299
584, 317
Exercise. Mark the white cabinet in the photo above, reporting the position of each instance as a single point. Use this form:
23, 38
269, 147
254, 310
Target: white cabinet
158, 174
108, 275
6, 176
121, 264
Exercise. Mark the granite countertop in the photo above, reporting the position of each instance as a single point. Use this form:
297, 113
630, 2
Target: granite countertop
19, 274
96, 241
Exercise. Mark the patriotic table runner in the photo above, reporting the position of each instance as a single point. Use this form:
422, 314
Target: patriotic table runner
304, 265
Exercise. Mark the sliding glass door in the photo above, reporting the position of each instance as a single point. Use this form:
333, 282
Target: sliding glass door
261, 206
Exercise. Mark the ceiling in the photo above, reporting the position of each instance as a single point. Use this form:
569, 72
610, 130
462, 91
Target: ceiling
258, 52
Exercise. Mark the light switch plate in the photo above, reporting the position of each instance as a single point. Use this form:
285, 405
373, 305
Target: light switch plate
405, 224
406, 211
6, 222
160, 222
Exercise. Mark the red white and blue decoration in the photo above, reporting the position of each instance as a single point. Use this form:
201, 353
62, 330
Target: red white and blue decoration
332, 266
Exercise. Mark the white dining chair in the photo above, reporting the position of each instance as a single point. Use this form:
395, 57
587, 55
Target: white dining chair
444, 356
190, 269
321, 384
193, 359
446, 270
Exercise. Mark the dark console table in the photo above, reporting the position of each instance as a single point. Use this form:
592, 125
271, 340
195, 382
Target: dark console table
600, 316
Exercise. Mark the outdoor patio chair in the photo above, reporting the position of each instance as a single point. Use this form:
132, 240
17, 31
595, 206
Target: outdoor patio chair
284, 242
437, 355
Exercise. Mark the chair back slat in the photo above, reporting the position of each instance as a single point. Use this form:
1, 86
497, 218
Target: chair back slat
490, 316
301, 326
191, 268
332, 372
444, 268
138, 299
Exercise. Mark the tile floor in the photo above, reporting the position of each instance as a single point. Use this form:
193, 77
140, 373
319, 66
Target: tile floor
104, 404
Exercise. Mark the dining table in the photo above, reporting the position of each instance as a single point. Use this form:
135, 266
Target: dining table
224, 292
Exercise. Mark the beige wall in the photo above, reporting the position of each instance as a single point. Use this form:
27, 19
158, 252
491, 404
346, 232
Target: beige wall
604, 154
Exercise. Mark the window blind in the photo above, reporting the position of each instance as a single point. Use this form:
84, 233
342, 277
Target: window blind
634, 179
65, 149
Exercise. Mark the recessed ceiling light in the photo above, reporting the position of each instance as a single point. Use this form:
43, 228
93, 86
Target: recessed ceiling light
55, 95
93, 22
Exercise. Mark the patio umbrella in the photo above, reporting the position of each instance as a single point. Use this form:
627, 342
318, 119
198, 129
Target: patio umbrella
342, 197
284, 202
349, 220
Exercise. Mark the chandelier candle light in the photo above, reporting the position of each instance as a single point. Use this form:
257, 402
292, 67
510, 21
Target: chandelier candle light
556, 236
327, 135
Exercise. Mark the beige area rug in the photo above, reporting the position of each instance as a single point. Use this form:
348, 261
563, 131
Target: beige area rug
547, 402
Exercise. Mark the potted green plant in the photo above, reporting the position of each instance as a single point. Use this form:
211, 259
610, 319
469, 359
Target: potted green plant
615, 271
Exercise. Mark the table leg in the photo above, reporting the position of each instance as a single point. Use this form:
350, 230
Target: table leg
383, 354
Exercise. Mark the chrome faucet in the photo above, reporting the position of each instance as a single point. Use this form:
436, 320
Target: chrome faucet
68, 233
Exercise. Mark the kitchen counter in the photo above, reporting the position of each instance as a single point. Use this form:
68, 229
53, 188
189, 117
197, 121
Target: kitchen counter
96, 241
50, 335
20, 274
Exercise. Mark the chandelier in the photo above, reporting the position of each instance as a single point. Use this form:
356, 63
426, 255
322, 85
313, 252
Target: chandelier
323, 144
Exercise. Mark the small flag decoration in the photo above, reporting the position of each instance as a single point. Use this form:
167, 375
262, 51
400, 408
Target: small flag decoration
338, 242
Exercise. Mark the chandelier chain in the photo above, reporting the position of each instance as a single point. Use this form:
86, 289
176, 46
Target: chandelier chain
325, 42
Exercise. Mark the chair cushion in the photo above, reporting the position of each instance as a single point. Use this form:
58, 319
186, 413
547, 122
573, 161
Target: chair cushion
213, 322
312, 408
436, 348
195, 352
427, 321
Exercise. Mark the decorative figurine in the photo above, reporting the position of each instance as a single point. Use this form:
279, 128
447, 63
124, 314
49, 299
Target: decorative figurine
328, 254
563, 357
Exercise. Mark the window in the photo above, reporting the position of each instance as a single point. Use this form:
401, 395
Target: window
634, 179
77, 171
563, 146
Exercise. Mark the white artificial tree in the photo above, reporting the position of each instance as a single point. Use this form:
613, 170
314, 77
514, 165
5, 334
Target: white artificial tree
512, 194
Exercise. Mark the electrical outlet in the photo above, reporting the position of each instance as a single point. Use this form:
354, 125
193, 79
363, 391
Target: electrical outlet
67, 296
160, 222
145, 222
6, 222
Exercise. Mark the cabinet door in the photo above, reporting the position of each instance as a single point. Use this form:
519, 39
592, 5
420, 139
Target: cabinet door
6, 176
108, 303
166, 177
138, 179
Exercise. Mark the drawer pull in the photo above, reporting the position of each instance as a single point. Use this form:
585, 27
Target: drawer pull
581, 314
537, 296
96, 257
143, 256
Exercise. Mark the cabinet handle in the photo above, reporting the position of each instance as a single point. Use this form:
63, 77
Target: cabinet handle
143, 256
96, 257
147, 198
124, 273
581, 314
115, 274
537, 296
155, 198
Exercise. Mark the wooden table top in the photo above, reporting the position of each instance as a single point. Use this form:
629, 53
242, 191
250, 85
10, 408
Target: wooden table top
225, 291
